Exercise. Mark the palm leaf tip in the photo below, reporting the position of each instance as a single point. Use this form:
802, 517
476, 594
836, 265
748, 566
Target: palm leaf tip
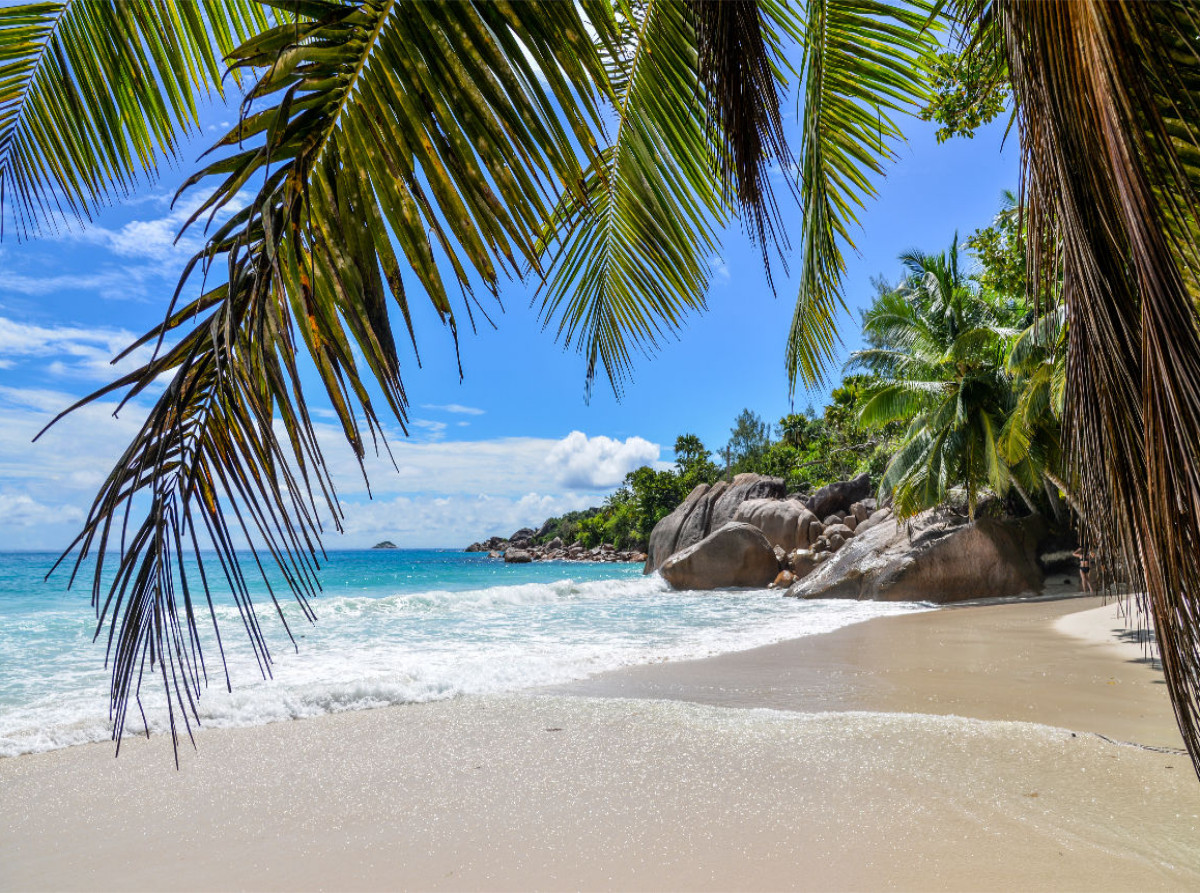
94, 95
739, 64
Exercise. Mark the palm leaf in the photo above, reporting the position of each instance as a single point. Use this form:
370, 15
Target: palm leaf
94, 94
385, 142
1108, 93
739, 57
865, 64
695, 87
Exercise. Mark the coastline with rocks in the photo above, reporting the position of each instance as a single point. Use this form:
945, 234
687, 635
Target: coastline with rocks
841, 543
522, 548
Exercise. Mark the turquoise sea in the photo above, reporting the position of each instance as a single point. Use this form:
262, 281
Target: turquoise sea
393, 627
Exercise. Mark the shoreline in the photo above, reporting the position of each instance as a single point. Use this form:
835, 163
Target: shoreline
1012, 661
921, 759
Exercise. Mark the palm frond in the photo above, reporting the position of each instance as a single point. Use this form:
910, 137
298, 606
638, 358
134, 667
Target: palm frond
629, 258
899, 400
864, 65
1107, 94
93, 95
739, 53
376, 137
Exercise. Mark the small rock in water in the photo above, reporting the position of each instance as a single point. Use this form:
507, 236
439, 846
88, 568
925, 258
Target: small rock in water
783, 580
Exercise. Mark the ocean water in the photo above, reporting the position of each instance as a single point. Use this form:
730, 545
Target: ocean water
394, 627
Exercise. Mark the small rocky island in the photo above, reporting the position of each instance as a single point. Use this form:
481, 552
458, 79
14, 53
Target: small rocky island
386, 544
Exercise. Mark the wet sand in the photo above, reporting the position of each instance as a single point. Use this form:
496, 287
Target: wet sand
1007, 661
890, 761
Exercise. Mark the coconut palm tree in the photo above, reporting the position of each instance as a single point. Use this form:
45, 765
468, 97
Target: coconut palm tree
395, 149
388, 150
938, 346
1031, 442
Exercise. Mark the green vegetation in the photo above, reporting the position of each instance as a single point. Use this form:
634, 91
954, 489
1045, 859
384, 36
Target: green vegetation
958, 393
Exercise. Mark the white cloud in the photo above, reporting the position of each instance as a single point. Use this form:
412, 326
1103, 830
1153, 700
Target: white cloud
445, 493
143, 253
76, 351
453, 520
597, 463
20, 510
109, 283
454, 407
720, 269
434, 430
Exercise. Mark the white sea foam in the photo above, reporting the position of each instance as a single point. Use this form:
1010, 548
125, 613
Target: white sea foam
371, 651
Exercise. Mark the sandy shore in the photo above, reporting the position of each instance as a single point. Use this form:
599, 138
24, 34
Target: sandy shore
959, 749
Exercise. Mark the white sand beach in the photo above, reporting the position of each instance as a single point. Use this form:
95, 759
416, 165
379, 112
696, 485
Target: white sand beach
980, 748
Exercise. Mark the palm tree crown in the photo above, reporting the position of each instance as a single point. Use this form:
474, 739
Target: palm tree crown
938, 348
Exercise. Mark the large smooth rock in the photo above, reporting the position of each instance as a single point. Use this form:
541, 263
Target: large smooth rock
836, 498
877, 517
737, 554
744, 486
665, 535
784, 521
706, 509
517, 556
934, 557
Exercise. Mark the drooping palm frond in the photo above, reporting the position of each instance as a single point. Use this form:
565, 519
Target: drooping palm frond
94, 94
376, 137
738, 55
865, 64
695, 88
1108, 95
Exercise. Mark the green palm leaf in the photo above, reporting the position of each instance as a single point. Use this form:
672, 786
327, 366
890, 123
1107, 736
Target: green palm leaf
865, 64
697, 126
94, 94
384, 142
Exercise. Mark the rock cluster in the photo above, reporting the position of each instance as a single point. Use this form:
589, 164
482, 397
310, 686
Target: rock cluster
935, 556
799, 532
707, 509
520, 549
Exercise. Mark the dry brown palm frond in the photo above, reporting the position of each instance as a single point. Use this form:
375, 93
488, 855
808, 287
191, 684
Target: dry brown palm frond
1105, 92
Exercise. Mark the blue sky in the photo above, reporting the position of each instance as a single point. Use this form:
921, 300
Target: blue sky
511, 443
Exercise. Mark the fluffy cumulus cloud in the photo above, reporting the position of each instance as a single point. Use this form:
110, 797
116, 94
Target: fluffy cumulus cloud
598, 463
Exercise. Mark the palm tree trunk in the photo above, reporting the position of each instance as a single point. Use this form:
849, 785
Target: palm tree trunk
1062, 517
1024, 495
1066, 492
